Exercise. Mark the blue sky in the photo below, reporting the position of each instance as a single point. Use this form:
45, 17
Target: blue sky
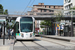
20, 5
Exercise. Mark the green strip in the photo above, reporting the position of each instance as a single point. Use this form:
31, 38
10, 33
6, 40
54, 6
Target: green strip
18, 34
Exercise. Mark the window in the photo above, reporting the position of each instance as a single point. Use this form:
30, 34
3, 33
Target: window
17, 27
54, 6
45, 6
44, 10
49, 10
65, 1
69, 1
26, 24
49, 6
41, 10
52, 10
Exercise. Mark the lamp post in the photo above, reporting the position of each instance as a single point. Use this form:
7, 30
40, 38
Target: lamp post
4, 33
71, 23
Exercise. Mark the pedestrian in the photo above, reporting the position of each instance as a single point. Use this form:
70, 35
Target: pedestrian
38, 31
12, 32
9, 33
0, 32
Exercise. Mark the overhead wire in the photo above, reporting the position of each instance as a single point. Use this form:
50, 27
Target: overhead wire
31, 4
26, 7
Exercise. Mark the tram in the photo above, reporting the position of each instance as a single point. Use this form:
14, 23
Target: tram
24, 28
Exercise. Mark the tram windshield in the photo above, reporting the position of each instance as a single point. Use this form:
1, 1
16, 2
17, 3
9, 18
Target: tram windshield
26, 26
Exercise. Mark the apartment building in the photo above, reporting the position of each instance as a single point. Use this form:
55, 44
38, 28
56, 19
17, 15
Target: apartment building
43, 12
67, 5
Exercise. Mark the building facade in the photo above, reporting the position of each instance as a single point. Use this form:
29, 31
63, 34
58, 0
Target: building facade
43, 12
67, 5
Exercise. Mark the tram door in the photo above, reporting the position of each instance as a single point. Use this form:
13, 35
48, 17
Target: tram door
16, 29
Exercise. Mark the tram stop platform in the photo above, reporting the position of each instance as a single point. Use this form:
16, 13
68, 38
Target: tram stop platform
8, 44
64, 38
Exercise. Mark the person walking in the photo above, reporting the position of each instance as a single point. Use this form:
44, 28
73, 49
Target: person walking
12, 33
38, 31
0, 32
9, 33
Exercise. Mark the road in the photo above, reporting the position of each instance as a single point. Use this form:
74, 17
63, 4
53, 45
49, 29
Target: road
44, 44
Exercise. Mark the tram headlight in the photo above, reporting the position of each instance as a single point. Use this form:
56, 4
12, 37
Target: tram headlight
30, 34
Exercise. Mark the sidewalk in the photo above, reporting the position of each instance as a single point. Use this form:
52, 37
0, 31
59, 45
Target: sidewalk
70, 39
8, 44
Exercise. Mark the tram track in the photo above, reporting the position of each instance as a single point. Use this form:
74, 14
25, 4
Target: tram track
31, 43
24, 45
40, 45
34, 43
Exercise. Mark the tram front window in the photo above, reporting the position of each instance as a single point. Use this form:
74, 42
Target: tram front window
26, 27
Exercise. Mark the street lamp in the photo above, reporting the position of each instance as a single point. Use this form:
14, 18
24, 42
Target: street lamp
72, 23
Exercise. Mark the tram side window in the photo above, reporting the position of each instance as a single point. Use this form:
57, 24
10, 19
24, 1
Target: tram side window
17, 27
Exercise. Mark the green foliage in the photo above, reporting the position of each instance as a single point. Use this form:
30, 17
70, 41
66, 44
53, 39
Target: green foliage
13, 22
6, 11
46, 23
59, 17
1, 9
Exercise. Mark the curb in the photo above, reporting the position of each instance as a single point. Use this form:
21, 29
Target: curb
68, 40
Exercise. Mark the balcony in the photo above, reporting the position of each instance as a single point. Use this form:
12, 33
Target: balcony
45, 13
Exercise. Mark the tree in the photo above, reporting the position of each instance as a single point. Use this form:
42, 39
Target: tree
59, 16
46, 23
1, 9
11, 26
6, 12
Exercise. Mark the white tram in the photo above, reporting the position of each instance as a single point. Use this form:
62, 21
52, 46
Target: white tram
24, 28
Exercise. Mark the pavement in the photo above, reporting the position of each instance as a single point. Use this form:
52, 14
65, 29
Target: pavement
8, 44
64, 38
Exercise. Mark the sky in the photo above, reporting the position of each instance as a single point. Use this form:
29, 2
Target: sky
21, 5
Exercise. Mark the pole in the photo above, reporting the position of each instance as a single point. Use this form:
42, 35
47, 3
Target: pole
60, 30
56, 29
4, 33
71, 23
